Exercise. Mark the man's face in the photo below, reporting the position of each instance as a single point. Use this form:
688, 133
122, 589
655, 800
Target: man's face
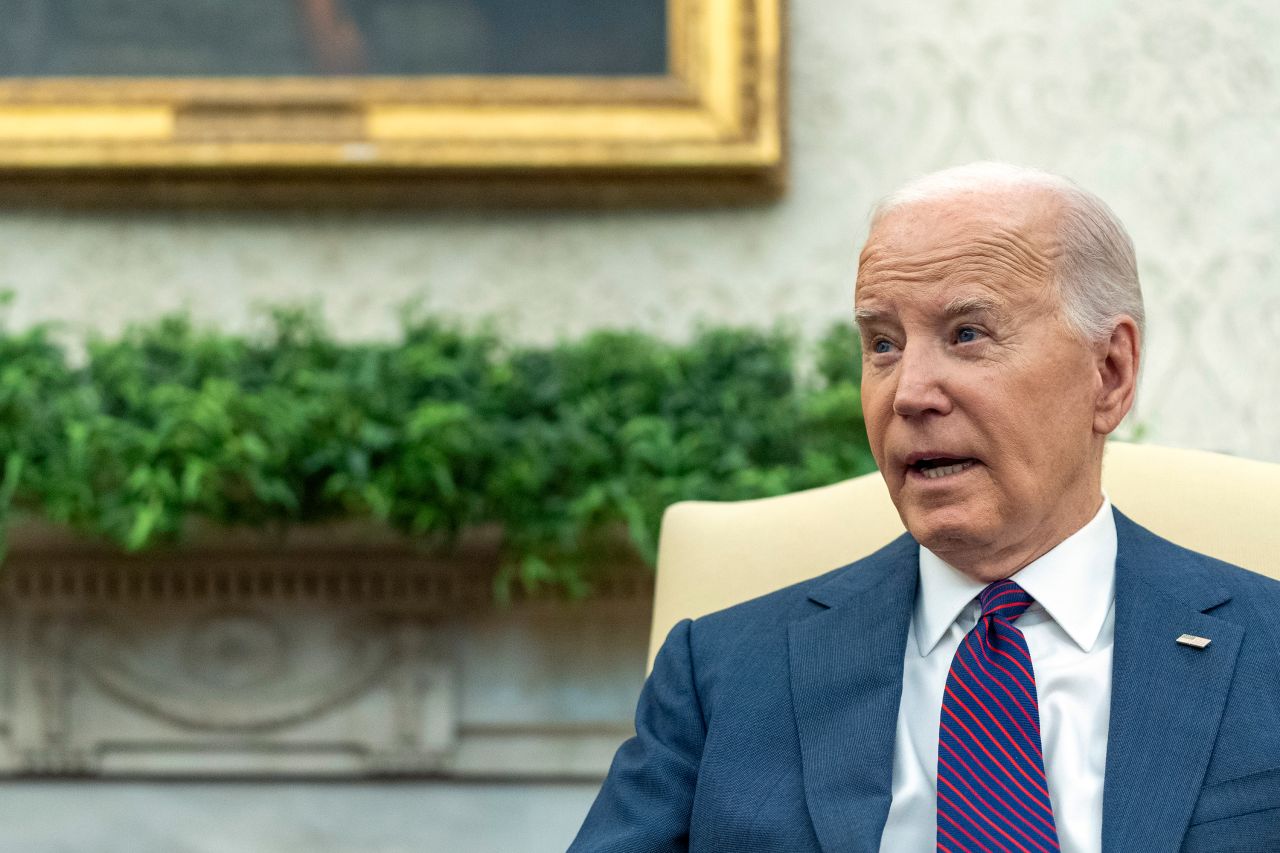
979, 400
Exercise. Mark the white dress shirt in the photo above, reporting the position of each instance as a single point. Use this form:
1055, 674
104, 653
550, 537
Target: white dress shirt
1070, 631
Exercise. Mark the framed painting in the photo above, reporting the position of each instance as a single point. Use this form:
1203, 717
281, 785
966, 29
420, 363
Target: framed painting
260, 102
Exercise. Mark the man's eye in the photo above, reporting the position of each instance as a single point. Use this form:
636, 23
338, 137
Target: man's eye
966, 335
881, 346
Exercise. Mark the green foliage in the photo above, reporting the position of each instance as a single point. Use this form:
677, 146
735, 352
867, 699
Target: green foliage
435, 433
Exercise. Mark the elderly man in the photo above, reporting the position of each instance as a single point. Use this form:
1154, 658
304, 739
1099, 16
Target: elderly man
1026, 669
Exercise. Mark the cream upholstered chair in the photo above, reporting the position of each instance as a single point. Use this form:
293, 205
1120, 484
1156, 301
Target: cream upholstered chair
712, 555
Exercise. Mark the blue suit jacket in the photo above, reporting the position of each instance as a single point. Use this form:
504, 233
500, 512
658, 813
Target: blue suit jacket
770, 726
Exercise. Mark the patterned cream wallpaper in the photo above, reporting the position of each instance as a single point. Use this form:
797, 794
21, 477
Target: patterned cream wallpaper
1170, 110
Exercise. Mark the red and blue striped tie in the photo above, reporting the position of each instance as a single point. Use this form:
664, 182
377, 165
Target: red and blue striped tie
992, 792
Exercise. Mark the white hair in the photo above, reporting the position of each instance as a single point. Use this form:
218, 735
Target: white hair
1097, 273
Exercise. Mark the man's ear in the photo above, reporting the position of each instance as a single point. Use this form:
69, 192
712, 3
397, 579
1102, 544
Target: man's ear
1117, 365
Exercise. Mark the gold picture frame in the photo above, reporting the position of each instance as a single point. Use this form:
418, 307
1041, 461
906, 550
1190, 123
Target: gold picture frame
709, 131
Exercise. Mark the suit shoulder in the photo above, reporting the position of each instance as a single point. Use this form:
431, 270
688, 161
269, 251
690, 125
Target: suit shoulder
784, 604
742, 650
1238, 577
776, 605
1234, 577
1254, 598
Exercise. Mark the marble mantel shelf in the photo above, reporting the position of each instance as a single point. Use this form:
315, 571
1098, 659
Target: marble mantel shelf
341, 652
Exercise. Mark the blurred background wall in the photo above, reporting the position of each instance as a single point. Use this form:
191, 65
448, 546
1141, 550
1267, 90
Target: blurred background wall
1170, 111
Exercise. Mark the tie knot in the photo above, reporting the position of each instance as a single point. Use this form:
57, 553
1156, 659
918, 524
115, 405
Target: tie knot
1004, 599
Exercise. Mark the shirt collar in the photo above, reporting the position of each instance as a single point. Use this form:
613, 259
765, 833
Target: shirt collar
1074, 582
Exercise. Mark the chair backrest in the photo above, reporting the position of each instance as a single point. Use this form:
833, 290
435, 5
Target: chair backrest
713, 555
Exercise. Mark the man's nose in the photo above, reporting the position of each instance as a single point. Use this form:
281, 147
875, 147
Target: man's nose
921, 388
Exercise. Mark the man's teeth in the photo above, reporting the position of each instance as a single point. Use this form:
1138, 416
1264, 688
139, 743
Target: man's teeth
942, 471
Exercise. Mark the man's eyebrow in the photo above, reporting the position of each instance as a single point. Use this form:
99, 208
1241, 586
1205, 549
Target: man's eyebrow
957, 307
963, 305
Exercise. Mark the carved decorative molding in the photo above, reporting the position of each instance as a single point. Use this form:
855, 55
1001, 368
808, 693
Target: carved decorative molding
237, 670
227, 659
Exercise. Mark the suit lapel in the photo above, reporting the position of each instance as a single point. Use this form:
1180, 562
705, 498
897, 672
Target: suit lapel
846, 682
1166, 699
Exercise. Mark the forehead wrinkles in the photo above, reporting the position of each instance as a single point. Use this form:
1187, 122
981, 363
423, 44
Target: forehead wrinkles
1002, 252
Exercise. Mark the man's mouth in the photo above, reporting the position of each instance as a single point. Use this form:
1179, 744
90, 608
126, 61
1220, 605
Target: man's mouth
936, 467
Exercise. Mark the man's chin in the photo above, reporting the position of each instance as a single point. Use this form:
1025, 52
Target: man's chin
944, 529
